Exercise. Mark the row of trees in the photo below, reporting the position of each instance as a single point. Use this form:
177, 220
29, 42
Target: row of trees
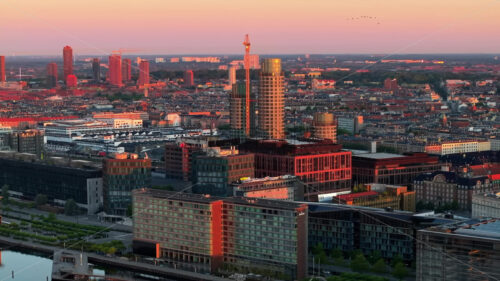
70, 208
359, 263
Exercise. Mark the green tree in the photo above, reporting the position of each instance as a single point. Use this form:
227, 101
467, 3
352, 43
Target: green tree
336, 253
5, 194
360, 264
130, 211
400, 271
319, 253
40, 199
397, 259
379, 266
374, 257
70, 208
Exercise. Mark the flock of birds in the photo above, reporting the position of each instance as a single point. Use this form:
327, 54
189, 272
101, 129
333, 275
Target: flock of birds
363, 18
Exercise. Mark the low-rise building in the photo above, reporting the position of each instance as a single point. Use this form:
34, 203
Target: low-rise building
280, 188
468, 251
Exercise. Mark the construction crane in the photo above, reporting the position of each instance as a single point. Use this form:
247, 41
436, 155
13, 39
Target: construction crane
246, 43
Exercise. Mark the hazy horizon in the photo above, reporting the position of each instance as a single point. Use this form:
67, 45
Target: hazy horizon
33, 27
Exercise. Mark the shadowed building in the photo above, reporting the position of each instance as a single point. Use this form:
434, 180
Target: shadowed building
96, 70
51, 75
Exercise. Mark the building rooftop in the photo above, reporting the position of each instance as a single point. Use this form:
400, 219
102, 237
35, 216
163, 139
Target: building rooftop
479, 228
379, 155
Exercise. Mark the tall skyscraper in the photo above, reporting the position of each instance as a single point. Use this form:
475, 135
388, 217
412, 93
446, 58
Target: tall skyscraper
52, 75
127, 69
96, 69
237, 110
143, 73
271, 100
115, 70
188, 78
2, 69
67, 61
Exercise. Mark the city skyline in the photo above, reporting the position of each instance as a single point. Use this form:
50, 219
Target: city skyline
318, 27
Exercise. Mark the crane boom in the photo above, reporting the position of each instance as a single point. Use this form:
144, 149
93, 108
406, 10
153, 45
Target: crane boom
246, 43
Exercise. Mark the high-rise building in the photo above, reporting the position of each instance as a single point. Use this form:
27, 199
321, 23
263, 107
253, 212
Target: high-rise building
188, 78
271, 100
52, 75
324, 126
391, 84
96, 69
67, 61
206, 233
143, 73
115, 70
121, 175
2, 69
71, 81
254, 61
127, 70
237, 110
232, 75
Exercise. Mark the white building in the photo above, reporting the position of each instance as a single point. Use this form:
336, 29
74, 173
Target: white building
486, 205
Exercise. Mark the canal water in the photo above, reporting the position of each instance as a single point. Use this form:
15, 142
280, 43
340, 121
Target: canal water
34, 266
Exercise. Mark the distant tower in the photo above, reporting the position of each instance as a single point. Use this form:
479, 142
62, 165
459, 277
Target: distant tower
115, 70
232, 75
127, 69
391, 84
325, 126
51, 75
71, 81
67, 61
188, 78
143, 73
271, 100
96, 70
2, 69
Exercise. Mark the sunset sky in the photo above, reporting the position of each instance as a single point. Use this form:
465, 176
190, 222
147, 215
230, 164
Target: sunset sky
31, 27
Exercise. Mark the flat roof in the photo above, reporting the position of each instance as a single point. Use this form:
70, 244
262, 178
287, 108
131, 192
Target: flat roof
379, 155
479, 228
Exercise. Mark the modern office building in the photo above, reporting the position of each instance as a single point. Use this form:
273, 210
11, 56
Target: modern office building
51, 75
143, 73
237, 111
179, 158
271, 100
216, 169
349, 228
57, 178
321, 165
2, 69
96, 69
486, 205
122, 174
67, 61
286, 187
393, 169
28, 141
188, 79
441, 188
115, 70
235, 234
127, 70
325, 126
465, 251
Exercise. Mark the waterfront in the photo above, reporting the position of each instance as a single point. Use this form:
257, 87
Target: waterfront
25, 266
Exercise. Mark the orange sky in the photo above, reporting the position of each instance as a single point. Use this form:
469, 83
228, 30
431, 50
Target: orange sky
275, 26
